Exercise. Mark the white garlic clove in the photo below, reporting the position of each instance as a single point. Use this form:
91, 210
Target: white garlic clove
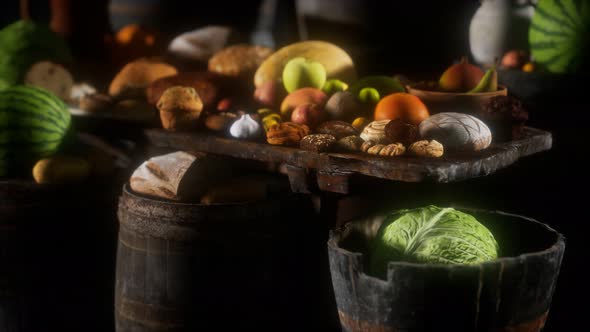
245, 127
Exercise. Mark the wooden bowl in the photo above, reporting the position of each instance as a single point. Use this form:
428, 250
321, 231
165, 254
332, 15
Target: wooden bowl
511, 293
460, 102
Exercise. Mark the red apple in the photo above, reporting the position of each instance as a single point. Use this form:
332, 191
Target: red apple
269, 94
308, 114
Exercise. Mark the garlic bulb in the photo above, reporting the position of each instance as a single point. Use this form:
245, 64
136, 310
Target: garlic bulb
245, 127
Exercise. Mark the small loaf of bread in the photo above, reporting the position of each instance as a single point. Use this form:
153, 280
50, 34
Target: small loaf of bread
136, 76
238, 60
456, 131
179, 176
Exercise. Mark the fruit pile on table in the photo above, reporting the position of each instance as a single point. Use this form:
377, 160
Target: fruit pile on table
304, 95
308, 95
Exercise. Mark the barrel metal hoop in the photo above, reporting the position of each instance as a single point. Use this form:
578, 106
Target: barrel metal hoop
354, 325
145, 314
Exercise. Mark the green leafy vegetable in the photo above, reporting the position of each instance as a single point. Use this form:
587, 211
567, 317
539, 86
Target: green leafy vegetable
431, 235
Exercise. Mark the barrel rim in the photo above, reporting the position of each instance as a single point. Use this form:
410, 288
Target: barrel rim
127, 191
558, 245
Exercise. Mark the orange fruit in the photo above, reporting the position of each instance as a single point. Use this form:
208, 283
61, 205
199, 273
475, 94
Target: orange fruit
134, 34
528, 67
404, 106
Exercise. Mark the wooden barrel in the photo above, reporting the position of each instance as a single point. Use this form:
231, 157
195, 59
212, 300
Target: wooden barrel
512, 293
57, 250
193, 267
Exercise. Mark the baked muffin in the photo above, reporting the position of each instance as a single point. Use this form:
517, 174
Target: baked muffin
506, 117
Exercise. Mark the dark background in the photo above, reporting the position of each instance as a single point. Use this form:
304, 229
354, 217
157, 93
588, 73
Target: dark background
420, 39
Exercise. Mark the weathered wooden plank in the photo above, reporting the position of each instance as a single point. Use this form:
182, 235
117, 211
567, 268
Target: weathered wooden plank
451, 167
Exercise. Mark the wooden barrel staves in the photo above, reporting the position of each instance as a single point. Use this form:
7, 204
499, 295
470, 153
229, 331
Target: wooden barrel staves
186, 267
512, 293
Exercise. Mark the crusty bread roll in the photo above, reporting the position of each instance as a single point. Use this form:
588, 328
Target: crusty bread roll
136, 76
238, 60
456, 131
179, 176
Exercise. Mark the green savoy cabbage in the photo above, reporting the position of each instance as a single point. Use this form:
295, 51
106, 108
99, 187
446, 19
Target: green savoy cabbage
25, 42
431, 235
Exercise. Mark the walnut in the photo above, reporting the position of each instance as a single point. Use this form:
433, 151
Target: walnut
426, 148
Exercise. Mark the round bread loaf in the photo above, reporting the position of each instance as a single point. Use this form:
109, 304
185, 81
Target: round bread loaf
238, 60
456, 131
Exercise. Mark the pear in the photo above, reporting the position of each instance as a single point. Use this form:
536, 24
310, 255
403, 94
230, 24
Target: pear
460, 77
488, 83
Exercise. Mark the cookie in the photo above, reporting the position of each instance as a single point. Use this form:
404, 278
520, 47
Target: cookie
317, 142
286, 133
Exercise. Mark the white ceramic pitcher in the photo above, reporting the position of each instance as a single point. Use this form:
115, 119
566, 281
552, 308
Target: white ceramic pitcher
499, 26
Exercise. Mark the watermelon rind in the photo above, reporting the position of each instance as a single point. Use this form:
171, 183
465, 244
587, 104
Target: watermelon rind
559, 35
33, 124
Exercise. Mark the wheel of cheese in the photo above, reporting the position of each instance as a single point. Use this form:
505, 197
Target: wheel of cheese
456, 131
51, 77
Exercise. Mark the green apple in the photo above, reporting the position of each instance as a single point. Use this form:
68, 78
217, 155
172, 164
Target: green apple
301, 73
385, 85
369, 96
332, 86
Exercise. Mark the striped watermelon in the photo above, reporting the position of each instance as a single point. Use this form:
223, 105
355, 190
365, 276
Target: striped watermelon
33, 123
559, 35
